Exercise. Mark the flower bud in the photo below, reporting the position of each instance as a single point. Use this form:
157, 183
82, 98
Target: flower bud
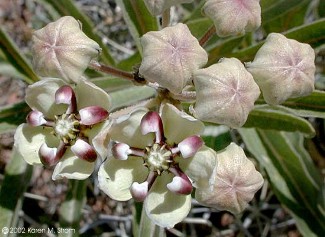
170, 56
283, 68
234, 17
62, 50
157, 7
235, 183
225, 93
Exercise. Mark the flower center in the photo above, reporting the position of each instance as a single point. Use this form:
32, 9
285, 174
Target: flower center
158, 158
66, 127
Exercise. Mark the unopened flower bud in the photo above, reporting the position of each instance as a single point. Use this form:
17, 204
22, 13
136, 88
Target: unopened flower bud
283, 68
62, 50
235, 183
156, 7
225, 93
234, 17
170, 56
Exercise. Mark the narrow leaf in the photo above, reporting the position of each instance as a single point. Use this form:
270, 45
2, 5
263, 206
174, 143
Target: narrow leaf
267, 118
13, 55
138, 18
71, 209
289, 172
16, 180
14, 114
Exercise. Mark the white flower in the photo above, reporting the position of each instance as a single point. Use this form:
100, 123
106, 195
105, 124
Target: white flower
61, 126
235, 182
234, 17
226, 93
62, 50
157, 159
283, 68
157, 7
170, 57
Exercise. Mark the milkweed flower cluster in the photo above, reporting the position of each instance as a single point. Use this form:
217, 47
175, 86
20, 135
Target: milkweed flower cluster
154, 152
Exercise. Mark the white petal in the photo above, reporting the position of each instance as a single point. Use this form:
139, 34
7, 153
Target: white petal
164, 207
88, 94
179, 125
41, 96
115, 177
28, 141
72, 167
204, 161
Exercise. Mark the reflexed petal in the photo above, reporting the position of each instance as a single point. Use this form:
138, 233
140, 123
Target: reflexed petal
151, 122
92, 115
84, 151
180, 185
164, 207
179, 125
115, 177
88, 94
121, 151
40, 96
126, 129
28, 141
48, 155
139, 191
201, 167
72, 167
36, 118
189, 146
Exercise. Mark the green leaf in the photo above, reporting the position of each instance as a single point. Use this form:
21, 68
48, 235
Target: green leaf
16, 59
69, 8
71, 209
143, 226
14, 114
266, 117
138, 18
16, 180
294, 179
308, 106
313, 34
130, 96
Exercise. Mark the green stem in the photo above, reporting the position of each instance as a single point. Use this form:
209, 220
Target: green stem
70, 210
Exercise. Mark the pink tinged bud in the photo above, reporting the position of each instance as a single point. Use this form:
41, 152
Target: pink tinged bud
139, 191
157, 7
36, 118
151, 122
226, 93
92, 115
66, 95
170, 56
189, 146
51, 156
84, 151
283, 68
121, 151
234, 17
180, 185
62, 50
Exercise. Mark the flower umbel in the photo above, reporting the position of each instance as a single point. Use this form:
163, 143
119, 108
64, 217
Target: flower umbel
155, 163
61, 132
